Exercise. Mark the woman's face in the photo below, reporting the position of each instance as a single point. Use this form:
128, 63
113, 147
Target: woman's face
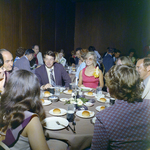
2, 72
119, 62
90, 61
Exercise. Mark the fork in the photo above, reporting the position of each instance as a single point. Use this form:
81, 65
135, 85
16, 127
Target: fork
60, 124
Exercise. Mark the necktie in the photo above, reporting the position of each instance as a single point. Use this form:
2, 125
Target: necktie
52, 78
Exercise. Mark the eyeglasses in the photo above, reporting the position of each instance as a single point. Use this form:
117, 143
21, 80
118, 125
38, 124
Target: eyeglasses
90, 59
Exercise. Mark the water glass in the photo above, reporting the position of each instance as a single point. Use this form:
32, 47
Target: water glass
57, 90
98, 91
70, 112
112, 101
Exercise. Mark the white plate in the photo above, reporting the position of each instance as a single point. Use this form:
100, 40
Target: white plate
52, 125
62, 89
93, 120
88, 104
108, 95
98, 108
79, 113
63, 112
100, 96
86, 94
107, 100
64, 99
46, 102
66, 92
85, 89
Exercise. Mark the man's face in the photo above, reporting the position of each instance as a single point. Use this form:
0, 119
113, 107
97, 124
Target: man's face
30, 57
141, 69
36, 49
8, 60
78, 54
117, 55
49, 61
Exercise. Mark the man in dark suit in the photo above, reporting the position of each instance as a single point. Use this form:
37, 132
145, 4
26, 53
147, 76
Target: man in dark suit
52, 69
108, 59
24, 61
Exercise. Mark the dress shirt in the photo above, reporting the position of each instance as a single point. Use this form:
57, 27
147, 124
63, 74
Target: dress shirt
49, 72
146, 81
82, 65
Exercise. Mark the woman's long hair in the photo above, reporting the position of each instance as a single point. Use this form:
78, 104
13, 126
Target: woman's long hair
22, 93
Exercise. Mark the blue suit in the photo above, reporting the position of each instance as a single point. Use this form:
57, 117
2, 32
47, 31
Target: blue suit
108, 62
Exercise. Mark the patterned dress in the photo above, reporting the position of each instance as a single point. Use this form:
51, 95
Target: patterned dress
123, 126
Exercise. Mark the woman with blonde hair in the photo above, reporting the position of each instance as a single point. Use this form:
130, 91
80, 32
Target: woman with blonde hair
86, 76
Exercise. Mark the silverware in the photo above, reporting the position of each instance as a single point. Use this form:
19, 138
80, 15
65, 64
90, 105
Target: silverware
72, 129
60, 124
74, 124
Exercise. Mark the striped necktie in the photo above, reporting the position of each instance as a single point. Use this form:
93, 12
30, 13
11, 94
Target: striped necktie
52, 78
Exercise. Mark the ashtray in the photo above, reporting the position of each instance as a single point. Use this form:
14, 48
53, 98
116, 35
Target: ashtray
54, 98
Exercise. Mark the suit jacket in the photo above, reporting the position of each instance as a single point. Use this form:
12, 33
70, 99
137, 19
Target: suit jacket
61, 76
108, 62
146, 92
23, 63
123, 126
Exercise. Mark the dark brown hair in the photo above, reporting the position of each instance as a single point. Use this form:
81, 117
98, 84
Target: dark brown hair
22, 93
20, 52
124, 83
50, 53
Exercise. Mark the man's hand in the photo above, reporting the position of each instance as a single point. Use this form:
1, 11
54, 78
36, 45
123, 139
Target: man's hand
46, 86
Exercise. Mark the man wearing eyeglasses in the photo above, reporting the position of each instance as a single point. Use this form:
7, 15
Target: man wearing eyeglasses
51, 73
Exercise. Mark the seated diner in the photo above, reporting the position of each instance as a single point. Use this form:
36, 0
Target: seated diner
91, 76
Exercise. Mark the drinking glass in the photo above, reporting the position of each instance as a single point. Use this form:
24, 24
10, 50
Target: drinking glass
57, 90
112, 101
70, 112
98, 91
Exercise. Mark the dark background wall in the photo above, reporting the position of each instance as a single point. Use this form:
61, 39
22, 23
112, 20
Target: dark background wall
112, 23
67, 24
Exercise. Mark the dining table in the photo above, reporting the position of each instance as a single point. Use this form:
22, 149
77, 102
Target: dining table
84, 127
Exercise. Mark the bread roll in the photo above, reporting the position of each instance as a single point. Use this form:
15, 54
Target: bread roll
90, 93
102, 107
85, 113
103, 99
56, 111
42, 100
47, 93
70, 91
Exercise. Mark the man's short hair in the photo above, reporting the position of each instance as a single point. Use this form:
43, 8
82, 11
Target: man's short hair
91, 48
20, 51
110, 50
78, 49
124, 83
146, 61
29, 51
117, 51
3, 50
49, 53
34, 46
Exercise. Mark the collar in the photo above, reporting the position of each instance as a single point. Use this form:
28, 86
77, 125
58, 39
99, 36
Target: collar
146, 81
25, 57
49, 68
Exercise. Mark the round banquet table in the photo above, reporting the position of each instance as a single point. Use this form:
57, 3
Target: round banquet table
84, 126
